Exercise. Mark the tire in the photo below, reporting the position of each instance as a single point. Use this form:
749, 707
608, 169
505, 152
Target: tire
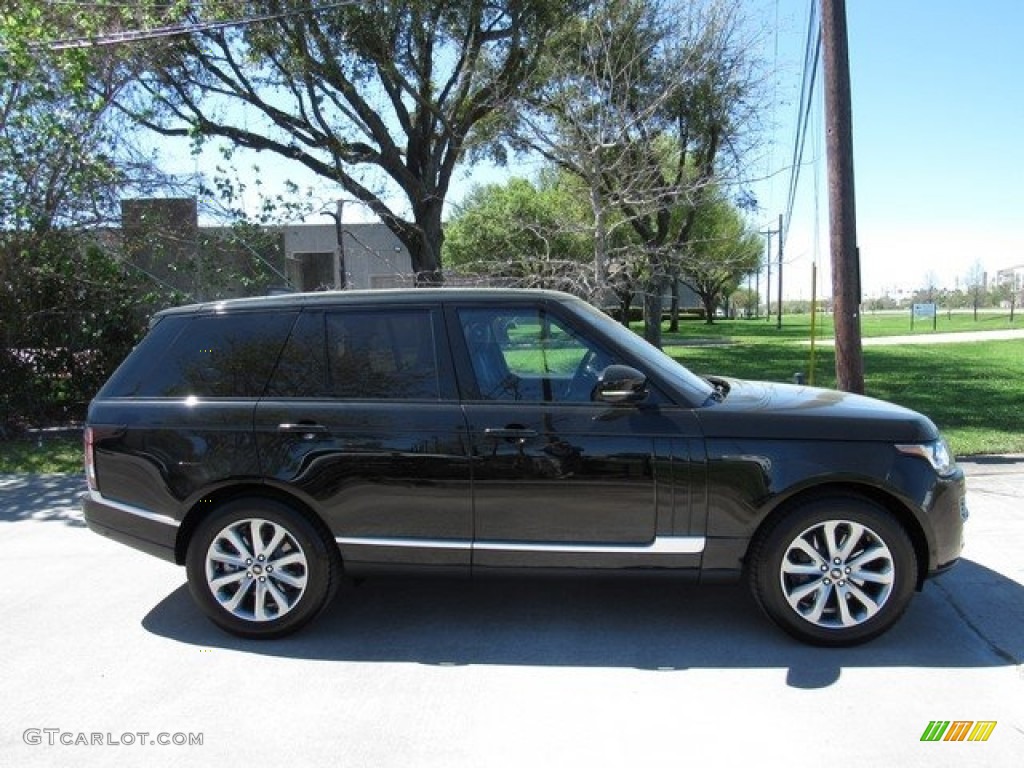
268, 590
835, 571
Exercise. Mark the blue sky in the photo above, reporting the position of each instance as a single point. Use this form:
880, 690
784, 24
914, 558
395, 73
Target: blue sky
938, 120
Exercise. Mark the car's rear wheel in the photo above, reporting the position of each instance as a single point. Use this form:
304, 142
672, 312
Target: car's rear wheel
259, 568
834, 571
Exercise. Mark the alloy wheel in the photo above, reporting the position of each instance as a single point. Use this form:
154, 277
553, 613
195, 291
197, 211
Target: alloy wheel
256, 569
837, 574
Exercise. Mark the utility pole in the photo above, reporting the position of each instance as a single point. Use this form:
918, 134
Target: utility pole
757, 296
778, 324
768, 270
842, 210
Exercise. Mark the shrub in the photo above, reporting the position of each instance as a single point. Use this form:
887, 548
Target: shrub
69, 313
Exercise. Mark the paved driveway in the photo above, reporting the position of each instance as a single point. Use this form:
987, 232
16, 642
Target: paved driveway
102, 644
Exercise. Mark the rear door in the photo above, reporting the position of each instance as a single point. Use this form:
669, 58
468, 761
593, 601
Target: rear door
361, 418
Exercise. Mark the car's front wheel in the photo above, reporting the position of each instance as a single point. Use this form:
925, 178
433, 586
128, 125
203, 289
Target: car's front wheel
259, 568
834, 571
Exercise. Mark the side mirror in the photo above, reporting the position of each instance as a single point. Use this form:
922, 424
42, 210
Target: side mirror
620, 384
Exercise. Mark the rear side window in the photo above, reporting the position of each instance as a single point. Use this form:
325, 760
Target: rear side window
230, 355
302, 369
382, 355
385, 354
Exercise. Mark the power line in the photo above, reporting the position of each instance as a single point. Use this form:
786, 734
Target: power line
812, 54
170, 31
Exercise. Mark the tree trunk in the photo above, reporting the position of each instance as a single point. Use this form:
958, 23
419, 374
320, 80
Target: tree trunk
673, 325
655, 288
625, 305
424, 243
708, 299
652, 311
600, 243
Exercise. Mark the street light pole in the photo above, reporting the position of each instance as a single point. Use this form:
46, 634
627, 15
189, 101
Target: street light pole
339, 252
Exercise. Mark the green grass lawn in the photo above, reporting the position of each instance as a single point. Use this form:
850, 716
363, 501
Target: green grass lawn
973, 391
44, 455
872, 324
898, 323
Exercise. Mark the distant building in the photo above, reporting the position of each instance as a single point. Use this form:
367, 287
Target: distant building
163, 239
1012, 277
371, 256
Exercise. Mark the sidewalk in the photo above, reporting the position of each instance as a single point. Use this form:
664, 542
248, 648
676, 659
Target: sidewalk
935, 338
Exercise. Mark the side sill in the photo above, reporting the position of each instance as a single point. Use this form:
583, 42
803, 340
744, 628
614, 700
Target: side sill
662, 545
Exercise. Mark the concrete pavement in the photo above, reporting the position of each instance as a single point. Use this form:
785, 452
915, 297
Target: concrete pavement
935, 338
101, 642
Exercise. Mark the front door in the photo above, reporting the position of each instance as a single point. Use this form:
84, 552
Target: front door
560, 480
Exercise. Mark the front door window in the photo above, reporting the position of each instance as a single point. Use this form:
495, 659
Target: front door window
527, 355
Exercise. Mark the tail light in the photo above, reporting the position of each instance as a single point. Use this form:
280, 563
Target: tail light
90, 460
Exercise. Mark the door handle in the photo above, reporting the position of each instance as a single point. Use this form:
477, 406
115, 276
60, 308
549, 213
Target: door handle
308, 430
510, 433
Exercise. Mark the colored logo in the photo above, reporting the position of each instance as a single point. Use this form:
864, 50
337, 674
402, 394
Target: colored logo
958, 730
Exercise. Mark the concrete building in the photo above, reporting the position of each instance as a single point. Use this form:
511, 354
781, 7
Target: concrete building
369, 256
1013, 277
163, 238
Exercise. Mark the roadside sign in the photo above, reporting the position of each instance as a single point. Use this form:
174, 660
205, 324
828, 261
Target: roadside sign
924, 310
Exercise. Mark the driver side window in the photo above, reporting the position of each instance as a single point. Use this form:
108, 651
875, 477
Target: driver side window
528, 355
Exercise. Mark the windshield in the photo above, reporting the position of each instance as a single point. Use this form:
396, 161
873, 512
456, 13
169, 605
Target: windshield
697, 389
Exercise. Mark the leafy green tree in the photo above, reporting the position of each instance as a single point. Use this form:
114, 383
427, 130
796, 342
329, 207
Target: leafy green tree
1009, 291
541, 234
720, 252
70, 313
383, 98
66, 153
745, 301
523, 233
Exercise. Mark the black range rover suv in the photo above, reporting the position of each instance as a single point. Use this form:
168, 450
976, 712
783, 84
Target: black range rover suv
274, 445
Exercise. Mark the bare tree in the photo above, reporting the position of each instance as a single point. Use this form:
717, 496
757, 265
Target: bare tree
976, 285
646, 102
1009, 290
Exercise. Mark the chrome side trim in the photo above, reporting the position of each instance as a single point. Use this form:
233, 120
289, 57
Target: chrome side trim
370, 541
128, 509
662, 545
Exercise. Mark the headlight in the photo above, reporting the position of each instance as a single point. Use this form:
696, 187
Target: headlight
935, 453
